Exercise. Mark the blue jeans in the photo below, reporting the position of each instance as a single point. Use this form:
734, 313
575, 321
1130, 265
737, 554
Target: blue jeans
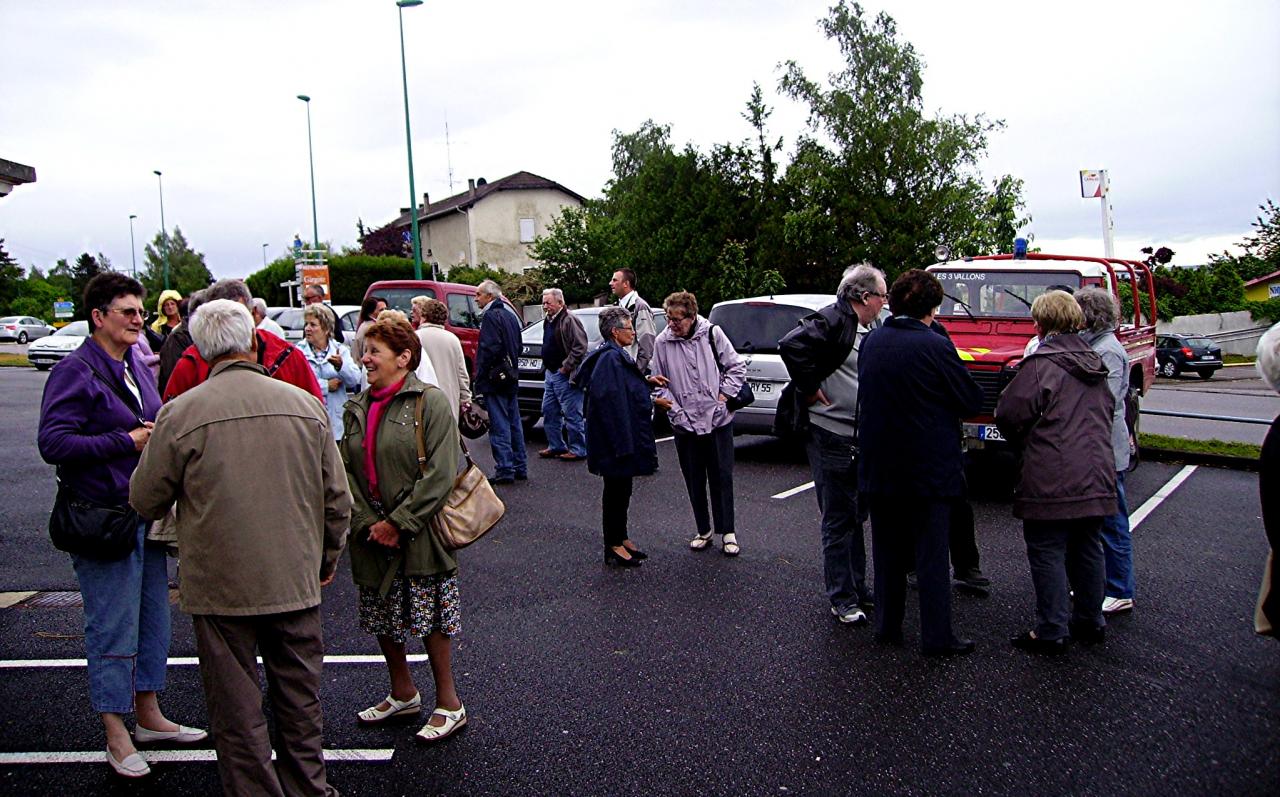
506, 435
1117, 546
126, 624
562, 415
835, 482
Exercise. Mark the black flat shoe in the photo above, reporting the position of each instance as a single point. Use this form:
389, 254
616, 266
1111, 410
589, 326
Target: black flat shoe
1088, 634
1031, 643
611, 558
636, 553
496, 480
960, 647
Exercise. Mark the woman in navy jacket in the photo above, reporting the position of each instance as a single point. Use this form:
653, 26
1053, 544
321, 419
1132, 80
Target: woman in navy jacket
620, 443
913, 391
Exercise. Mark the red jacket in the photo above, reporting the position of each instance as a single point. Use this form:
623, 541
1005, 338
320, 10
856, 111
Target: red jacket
282, 360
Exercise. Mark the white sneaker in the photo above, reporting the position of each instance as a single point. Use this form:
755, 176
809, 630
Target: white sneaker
853, 616
1114, 605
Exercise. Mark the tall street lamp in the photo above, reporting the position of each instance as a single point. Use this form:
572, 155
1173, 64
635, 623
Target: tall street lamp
164, 231
413, 192
264, 255
133, 250
315, 228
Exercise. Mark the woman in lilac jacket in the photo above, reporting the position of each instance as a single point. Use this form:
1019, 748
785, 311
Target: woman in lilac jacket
95, 418
698, 370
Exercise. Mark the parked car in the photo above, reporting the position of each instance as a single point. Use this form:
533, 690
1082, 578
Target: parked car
530, 389
755, 326
23, 328
290, 320
1178, 353
46, 352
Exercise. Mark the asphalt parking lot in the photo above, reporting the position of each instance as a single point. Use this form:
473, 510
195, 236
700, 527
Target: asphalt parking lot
701, 674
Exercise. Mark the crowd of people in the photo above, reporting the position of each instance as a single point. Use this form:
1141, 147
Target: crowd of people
152, 418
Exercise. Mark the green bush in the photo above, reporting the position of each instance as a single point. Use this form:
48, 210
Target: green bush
349, 275
1268, 311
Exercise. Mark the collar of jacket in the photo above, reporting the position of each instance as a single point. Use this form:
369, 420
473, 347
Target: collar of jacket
227, 365
629, 300
412, 384
907, 322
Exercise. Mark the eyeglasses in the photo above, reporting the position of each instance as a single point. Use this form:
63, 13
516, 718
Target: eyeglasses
127, 312
881, 295
624, 329
672, 320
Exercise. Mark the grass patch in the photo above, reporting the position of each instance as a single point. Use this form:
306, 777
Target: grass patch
1238, 359
7, 358
1221, 448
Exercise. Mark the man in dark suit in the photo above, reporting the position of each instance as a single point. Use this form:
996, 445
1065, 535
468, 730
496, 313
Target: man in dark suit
496, 378
914, 391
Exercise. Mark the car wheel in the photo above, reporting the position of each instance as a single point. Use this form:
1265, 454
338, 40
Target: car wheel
1169, 369
22, 337
1207, 374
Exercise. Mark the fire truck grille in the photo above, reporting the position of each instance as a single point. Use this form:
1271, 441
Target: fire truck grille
991, 382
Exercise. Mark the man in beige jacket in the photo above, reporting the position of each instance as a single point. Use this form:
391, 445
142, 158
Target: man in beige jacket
256, 549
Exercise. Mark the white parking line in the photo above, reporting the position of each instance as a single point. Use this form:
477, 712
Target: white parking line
1164, 492
795, 490
665, 439
173, 756
189, 661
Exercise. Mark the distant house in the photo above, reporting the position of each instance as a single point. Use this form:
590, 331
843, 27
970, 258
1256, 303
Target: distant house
14, 174
491, 222
1263, 288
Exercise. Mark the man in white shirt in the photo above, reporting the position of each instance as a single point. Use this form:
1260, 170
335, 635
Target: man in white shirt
623, 285
261, 320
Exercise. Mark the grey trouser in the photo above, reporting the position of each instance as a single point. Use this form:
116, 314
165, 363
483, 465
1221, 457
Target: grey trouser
1065, 557
292, 651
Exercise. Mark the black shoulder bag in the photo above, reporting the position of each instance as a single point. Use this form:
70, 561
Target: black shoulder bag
92, 530
745, 395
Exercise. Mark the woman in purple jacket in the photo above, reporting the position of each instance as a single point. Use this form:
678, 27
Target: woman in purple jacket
699, 369
95, 418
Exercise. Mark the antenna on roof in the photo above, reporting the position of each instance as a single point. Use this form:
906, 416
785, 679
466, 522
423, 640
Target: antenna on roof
447, 152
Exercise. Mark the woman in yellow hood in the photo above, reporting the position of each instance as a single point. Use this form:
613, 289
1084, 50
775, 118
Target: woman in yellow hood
166, 313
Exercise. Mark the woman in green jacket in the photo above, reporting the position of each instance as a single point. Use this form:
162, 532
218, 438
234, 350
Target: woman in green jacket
408, 582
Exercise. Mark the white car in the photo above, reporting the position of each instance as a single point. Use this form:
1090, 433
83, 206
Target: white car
290, 319
46, 352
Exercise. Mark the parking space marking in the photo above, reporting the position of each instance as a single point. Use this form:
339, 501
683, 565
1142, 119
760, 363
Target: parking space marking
1161, 494
191, 661
794, 490
665, 439
174, 756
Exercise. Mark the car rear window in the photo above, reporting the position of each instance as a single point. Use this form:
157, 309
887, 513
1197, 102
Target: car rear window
1199, 343
462, 311
756, 327
291, 318
13, 319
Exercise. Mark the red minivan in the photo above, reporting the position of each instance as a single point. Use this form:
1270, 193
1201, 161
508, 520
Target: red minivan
464, 316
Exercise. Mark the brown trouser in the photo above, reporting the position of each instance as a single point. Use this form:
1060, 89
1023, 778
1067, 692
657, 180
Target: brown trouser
292, 651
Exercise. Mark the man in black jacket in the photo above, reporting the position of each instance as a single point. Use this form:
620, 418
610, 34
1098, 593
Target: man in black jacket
496, 377
821, 355
564, 345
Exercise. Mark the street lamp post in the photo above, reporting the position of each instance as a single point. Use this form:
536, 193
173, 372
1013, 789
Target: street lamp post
164, 231
133, 249
264, 255
413, 192
315, 227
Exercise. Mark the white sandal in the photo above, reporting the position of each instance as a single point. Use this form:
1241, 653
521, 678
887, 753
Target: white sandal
701, 541
454, 721
731, 545
395, 708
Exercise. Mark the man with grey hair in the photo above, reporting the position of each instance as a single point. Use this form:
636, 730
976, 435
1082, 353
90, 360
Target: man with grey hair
1101, 317
282, 359
497, 353
262, 321
564, 344
820, 403
239, 509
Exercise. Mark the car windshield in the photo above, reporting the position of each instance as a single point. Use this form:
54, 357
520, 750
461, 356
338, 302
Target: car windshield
590, 319
756, 327
998, 294
75, 328
402, 298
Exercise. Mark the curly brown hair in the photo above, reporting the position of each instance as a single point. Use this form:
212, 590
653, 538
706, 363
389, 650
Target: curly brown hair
399, 337
915, 293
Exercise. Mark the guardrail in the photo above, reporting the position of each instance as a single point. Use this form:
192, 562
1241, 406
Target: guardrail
1199, 416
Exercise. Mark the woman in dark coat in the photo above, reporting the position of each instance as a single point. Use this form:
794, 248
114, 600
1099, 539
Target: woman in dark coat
1058, 410
620, 443
912, 392
1267, 616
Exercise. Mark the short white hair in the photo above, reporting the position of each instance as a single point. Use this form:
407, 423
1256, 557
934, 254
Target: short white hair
556, 294
222, 327
260, 305
1269, 358
489, 288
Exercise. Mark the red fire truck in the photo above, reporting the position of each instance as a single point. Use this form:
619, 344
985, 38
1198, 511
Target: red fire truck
987, 312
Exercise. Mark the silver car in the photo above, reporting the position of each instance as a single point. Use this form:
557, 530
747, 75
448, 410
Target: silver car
755, 326
46, 352
23, 328
290, 320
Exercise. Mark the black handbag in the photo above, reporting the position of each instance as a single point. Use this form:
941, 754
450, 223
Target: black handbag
503, 374
473, 421
86, 529
745, 395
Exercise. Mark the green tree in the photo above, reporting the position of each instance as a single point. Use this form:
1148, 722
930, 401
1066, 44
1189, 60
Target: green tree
37, 298
11, 278
86, 268
876, 178
187, 270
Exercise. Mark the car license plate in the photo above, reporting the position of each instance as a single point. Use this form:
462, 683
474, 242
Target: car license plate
986, 432
1206, 356
761, 389
529, 363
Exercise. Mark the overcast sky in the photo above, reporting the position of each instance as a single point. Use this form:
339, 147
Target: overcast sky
1179, 101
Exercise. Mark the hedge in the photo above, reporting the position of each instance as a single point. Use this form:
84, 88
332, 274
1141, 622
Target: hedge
350, 276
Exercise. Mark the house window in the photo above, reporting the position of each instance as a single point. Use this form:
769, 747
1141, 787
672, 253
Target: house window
526, 231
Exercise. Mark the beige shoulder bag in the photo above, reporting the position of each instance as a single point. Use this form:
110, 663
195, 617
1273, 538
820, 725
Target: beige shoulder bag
472, 508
